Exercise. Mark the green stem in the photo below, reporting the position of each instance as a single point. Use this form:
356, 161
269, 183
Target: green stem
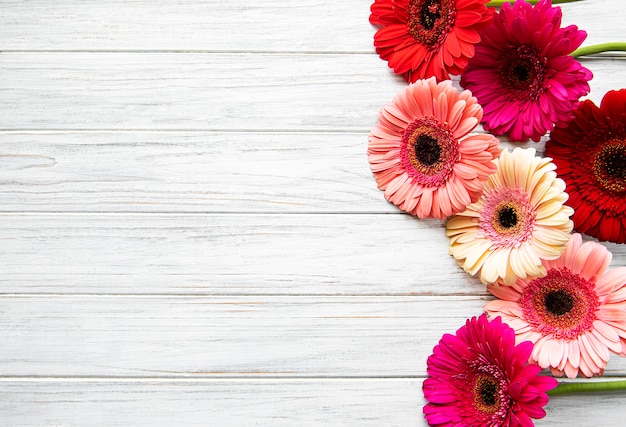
599, 48
578, 387
498, 3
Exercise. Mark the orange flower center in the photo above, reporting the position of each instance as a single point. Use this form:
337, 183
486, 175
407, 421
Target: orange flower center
508, 218
430, 21
561, 304
609, 166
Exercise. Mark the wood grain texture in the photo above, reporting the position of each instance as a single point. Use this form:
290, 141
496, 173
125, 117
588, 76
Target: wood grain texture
218, 254
276, 403
235, 25
187, 172
150, 171
207, 91
215, 91
256, 336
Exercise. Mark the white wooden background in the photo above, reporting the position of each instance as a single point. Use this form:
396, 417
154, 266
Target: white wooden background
189, 230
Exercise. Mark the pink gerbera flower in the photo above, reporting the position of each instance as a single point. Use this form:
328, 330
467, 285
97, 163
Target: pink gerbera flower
420, 153
574, 315
522, 72
480, 378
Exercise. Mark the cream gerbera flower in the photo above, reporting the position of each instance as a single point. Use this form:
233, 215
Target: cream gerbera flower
519, 220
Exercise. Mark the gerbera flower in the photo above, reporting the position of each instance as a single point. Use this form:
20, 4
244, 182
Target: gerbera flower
522, 73
590, 154
519, 220
420, 154
479, 377
574, 315
425, 38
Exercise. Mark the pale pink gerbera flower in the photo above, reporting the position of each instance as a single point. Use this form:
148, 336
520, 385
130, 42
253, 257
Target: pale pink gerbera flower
522, 72
574, 315
479, 378
519, 220
420, 153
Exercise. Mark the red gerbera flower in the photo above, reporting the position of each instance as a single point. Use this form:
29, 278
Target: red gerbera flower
523, 74
479, 377
425, 38
590, 154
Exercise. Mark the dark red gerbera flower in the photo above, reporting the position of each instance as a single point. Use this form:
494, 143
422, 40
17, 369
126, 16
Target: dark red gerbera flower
425, 38
590, 154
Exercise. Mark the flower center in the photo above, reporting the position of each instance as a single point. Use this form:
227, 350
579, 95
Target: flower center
508, 217
429, 13
561, 304
558, 302
522, 72
609, 166
428, 152
488, 385
487, 391
430, 21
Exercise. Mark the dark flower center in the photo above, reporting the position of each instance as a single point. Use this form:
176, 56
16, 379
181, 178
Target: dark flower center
561, 304
558, 302
430, 21
609, 167
522, 72
615, 165
488, 392
429, 13
427, 150
507, 217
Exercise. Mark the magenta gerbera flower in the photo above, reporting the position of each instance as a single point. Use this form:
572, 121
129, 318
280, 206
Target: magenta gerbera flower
479, 377
522, 72
575, 315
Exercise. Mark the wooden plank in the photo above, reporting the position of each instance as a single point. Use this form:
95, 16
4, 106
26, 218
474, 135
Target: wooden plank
206, 91
228, 254
254, 254
236, 25
188, 172
224, 336
147, 336
275, 403
182, 91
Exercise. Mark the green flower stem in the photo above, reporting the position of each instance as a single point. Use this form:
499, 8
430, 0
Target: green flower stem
599, 48
498, 3
578, 387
